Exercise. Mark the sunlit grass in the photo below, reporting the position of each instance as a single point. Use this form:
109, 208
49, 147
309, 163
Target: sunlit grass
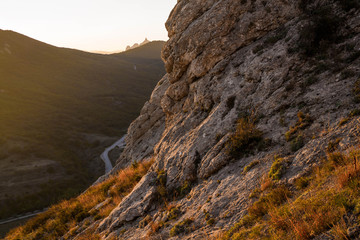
62, 217
331, 192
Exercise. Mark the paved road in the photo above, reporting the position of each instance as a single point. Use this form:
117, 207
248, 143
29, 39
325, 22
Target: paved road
108, 166
28, 215
105, 155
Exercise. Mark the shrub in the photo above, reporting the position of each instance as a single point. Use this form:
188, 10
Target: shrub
266, 182
277, 168
274, 198
181, 227
250, 166
245, 138
161, 184
255, 193
302, 122
297, 143
349, 177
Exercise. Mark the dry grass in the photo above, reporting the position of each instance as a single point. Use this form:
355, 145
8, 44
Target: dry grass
332, 191
347, 176
245, 139
265, 182
154, 228
307, 217
302, 122
60, 218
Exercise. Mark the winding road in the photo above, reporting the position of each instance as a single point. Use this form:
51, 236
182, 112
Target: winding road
28, 215
108, 166
105, 155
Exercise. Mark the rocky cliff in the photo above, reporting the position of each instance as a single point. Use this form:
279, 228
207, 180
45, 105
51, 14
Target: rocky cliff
252, 98
224, 59
227, 59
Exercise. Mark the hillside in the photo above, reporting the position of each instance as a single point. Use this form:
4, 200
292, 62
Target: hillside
59, 109
252, 133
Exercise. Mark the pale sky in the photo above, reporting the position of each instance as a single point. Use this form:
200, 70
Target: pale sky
102, 25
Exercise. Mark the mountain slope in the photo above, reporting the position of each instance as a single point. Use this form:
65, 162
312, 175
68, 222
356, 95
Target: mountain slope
59, 109
253, 131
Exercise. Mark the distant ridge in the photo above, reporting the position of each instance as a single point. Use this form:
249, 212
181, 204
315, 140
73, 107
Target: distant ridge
136, 45
60, 108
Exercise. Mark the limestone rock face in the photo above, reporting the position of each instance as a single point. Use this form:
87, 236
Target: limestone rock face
226, 59
204, 32
147, 129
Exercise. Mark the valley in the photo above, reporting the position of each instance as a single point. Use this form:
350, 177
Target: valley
59, 109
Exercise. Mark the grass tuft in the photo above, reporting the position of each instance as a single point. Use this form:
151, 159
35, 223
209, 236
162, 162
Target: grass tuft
245, 138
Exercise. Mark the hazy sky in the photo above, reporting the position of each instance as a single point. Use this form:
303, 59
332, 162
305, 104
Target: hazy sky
105, 25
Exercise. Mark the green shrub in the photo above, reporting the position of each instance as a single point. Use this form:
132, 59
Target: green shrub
277, 168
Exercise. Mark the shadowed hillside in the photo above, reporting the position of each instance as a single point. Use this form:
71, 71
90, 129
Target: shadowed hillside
59, 108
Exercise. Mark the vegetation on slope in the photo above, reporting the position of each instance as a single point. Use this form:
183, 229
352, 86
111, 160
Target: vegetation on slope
327, 200
245, 138
85, 209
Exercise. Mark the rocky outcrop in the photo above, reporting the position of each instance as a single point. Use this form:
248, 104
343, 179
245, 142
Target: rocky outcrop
136, 45
226, 59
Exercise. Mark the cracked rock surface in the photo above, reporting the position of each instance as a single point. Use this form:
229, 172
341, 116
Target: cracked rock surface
224, 59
